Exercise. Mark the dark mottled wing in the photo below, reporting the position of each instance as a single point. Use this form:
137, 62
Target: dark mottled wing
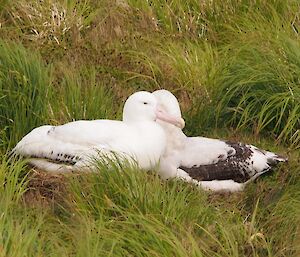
236, 167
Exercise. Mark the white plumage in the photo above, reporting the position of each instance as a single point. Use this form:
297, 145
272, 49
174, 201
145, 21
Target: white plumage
210, 163
70, 146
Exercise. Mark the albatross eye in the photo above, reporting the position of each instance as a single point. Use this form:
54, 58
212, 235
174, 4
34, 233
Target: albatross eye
145, 103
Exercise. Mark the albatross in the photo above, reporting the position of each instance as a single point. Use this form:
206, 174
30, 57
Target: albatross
71, 146
212, 164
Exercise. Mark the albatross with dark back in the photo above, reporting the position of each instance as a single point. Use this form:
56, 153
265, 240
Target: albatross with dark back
212, 164
248, 162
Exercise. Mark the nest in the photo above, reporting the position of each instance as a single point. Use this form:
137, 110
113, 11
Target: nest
44, 188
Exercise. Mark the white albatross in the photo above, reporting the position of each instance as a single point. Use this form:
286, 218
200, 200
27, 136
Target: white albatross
210, 163
72, 145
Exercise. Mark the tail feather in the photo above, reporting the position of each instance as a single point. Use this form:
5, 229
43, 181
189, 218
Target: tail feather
273, 159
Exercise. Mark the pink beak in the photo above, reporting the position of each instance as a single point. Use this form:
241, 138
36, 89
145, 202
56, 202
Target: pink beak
164, 116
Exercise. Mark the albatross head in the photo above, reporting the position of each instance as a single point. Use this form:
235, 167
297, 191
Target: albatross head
143, 106
169, 103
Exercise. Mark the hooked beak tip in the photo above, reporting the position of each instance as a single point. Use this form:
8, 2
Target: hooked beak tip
181, 123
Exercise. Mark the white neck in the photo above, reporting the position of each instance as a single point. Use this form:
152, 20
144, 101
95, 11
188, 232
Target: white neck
175, 137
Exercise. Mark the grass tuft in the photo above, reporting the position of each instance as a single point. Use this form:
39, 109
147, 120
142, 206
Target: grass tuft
24, 91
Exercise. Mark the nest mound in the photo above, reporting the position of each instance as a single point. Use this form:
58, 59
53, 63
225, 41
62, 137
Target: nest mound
44, 188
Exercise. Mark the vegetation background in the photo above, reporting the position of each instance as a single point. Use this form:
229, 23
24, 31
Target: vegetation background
235, 67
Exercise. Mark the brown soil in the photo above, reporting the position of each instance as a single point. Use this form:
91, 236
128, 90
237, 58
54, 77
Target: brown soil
45, 189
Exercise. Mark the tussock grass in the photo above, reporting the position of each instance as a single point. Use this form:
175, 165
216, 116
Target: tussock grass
51, 22
122, 210
24, 91
132, 213
83, 97
260, 87
18, 233
119, 187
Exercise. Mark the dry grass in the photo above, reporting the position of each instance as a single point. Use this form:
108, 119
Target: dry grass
44, 189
